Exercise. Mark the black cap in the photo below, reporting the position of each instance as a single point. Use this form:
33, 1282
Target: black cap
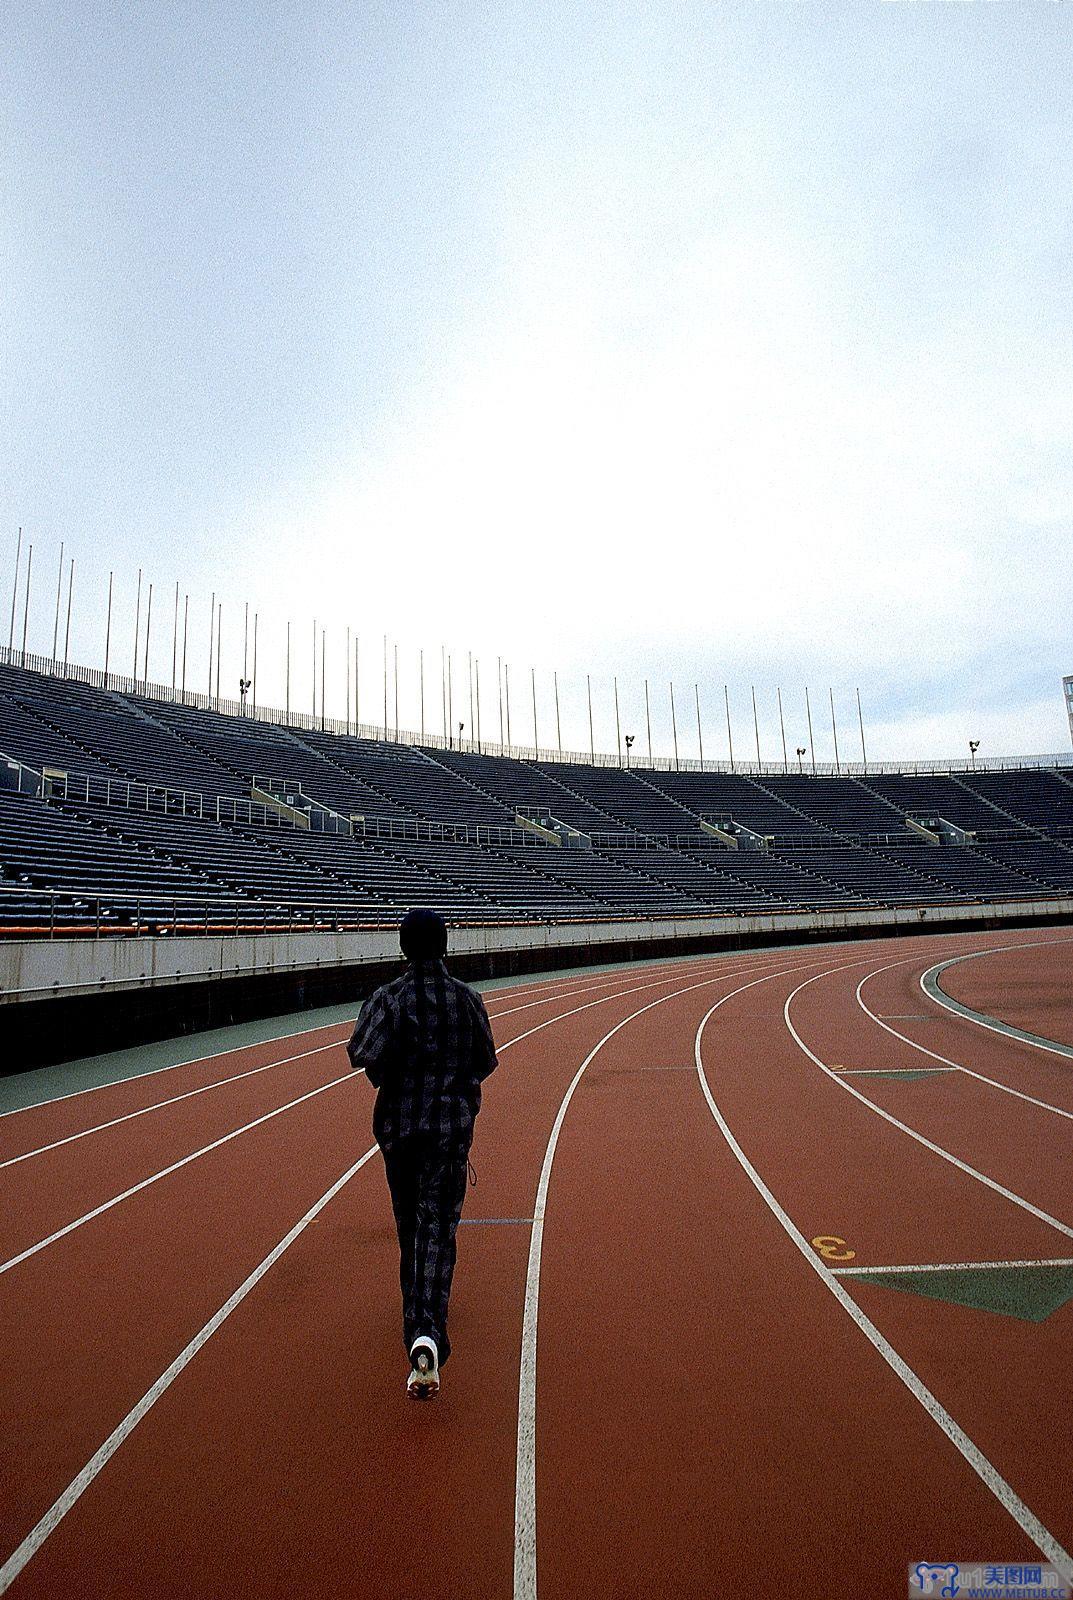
423, 936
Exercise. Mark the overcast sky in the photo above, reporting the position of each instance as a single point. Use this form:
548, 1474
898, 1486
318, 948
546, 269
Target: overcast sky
721, 343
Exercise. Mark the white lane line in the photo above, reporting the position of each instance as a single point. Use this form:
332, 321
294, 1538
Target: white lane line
684, 971
145, 1183
172, 1066
158, 1105
929, 983
78, 1485
951, 1266
184, 1161
970, 1072
988, 1474
525, 1513
903, 1127
217, 1083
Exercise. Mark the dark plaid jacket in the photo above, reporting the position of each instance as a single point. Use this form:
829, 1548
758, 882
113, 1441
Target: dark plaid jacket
425, 1043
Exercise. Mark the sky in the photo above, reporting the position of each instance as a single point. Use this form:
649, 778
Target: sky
722, 344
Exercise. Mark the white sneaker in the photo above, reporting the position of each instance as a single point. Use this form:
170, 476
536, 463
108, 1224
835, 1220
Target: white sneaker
424, 1381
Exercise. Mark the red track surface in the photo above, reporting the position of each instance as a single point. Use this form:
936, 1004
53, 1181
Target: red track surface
1031, 989
709, 1419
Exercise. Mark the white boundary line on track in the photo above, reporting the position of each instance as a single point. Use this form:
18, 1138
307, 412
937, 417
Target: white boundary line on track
992, 1024
236, 1050
174, 1166
903, 1127
51, 1519
970, 1072
988, 1474
525, 1513
951, 1266
205, 1088
159, 1105
136, 1188
171, 1066
78, 1485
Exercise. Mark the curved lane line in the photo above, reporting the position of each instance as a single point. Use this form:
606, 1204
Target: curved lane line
903, 1127
525, 1531
1044, 1540
159, 1105
970, 1072
219, 1083
51, 1519
136, 1188
78, 1485
174, 1166
929, 982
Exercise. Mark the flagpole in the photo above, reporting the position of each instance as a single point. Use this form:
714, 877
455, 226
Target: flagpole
14, 596
782, 729
348, 682
287, 691
148, 625
469, 671
67, 633
26, 602
108, 630
756, 726
558, 724
323, 657
811, 740
56, 624
618, 725
834, 730
421, 681
499, 683
396, 679
477, 674
700, 730
860, 719
536, 741
175, 640
443, 687
592, 739
357, 685
450, 703
314, 723
212, 639
674, 732
730, 734
385, 688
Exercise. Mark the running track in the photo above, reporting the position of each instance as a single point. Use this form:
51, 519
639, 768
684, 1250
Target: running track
660, 1387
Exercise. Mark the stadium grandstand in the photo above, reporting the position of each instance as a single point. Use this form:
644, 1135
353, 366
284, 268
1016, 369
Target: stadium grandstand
124, 811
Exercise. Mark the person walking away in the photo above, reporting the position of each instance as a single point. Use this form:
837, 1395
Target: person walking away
425, 1043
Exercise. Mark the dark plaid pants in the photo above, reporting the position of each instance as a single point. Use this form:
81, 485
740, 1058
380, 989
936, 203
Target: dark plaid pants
427, 1178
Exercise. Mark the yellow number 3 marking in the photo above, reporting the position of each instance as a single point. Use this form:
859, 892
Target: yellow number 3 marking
832, 1249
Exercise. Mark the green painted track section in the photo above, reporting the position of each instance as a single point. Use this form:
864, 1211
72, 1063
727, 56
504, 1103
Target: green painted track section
1028, 1293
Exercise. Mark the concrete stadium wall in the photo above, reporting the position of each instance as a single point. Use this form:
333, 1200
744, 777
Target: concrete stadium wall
63, 998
